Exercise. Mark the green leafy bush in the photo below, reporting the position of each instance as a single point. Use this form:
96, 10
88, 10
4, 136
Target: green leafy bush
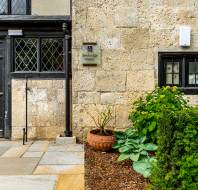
147, 111
132, 146
177, 155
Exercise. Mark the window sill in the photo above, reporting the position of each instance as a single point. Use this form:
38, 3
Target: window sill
38, 75
189, 90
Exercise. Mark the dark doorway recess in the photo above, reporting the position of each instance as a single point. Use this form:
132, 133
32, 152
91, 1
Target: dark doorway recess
2, 91
53, 30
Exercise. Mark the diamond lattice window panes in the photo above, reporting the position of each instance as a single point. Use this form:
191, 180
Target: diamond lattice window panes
15, 7
26, 54
3, 7
18, 7
52, 55
38, 55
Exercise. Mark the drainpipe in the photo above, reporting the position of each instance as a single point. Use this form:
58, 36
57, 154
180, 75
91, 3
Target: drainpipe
68, 132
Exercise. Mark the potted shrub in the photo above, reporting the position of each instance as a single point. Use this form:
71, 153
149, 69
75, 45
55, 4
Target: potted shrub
101, 138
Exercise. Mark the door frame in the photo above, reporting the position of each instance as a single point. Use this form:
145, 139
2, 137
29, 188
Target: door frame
6, 87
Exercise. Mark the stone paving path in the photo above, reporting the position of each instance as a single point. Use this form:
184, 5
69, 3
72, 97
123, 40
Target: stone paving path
41, 165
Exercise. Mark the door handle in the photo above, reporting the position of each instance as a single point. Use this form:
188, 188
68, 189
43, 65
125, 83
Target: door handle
1, 93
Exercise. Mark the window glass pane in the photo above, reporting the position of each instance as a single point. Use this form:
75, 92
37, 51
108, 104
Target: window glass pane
169, 79
176, 79
3, 7
169, 67
52, 55
18, 7
26, 54
196, 79
193, 67
191, 79
176, 67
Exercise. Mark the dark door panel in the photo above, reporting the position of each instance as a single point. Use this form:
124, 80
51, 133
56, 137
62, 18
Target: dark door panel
2, 79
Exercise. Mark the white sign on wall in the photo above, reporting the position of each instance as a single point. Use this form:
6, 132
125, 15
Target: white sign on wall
185, 36
15, 32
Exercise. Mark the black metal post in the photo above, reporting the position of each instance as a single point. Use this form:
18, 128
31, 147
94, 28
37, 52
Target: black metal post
26, 110
68, 132
24, 136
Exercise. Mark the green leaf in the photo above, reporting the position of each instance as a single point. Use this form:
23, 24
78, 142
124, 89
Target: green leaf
152, 126
124, 149
116, 146
150, 147
130, 132
143, 167
145, 153
134, 156
123, 157
119, 134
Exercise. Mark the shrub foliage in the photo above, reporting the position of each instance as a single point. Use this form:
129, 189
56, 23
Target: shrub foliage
147, 111
177, 155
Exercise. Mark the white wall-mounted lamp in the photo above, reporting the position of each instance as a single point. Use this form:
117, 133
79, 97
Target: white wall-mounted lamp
185, 36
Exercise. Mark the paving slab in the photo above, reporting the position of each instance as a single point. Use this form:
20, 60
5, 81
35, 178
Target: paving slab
39, 146
10, 143
15, 152
18, 166
28, 182
62, 158
68, 147
70, 182
3, 150
33, 154
59, 169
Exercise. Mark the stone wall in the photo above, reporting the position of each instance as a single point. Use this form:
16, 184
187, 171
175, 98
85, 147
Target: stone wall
50, 7
130, 33
46, 108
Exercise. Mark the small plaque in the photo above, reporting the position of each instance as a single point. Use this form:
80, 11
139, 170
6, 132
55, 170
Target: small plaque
90, 54
15, 32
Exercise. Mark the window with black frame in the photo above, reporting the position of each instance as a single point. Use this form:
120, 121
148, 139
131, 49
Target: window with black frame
179, 69
15, 7
38, 55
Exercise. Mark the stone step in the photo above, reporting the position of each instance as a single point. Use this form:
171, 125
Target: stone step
65, 140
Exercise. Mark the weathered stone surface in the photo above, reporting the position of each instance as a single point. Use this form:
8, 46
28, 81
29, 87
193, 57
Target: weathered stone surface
126, 17
63, 158
28, 182
122, 114
15, 152
18, 166
65, 140
110, 81
59, 169
140, 80
88, 98
73, 182
38, 146
84, 80
33, 155
66, 147
136, 38
46, 101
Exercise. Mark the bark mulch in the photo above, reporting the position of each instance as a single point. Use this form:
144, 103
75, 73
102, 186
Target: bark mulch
103, 172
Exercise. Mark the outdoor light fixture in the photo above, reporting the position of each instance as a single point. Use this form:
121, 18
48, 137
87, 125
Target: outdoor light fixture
185, 36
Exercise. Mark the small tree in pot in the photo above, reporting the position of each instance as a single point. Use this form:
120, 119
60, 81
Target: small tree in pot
101, 138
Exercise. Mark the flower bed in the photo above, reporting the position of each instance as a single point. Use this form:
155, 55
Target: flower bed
103, 171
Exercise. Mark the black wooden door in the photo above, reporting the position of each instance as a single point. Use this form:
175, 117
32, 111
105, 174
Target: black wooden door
2, 78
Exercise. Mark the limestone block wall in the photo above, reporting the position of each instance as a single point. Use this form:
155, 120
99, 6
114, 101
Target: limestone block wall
51, 7
46, 108
130, 33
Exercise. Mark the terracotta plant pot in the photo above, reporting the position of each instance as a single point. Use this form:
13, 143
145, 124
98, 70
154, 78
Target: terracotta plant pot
98, 142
